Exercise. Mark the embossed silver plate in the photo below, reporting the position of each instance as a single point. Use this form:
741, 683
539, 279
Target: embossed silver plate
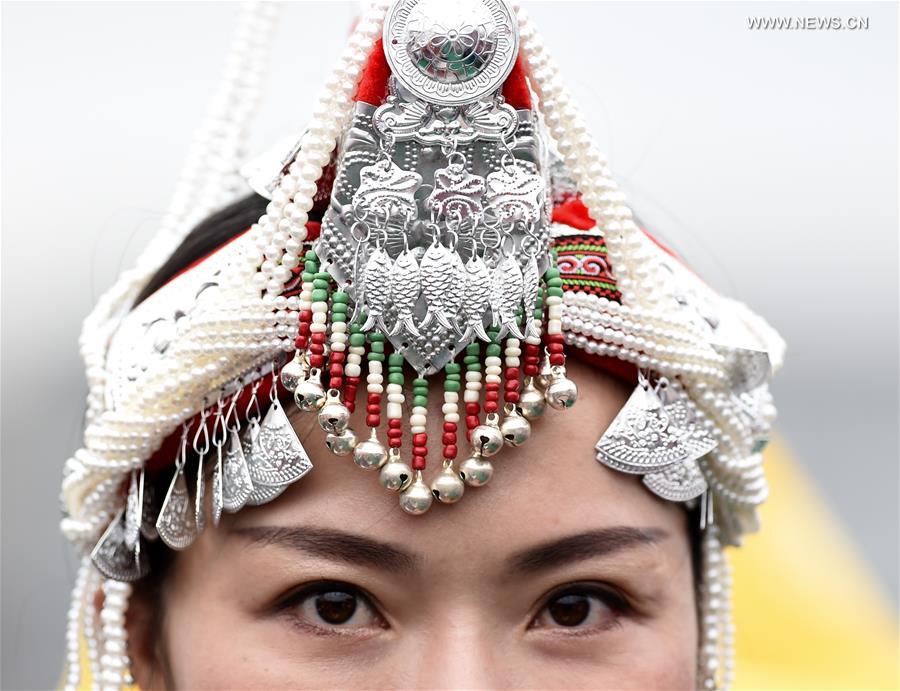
451, 52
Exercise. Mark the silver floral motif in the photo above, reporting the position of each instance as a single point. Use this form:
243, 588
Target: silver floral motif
457, 193
515, 194
386, 189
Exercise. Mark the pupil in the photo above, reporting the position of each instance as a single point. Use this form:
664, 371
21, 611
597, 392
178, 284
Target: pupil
570, 610
335, 607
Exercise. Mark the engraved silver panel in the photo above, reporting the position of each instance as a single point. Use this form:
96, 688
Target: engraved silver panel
114, 558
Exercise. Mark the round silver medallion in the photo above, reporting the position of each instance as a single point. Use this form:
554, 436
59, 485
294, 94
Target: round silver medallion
451, 52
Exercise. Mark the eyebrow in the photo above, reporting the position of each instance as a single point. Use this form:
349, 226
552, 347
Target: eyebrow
335, 545
587, 545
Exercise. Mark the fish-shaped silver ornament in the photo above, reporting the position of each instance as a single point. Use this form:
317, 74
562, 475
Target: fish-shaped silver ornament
436, 276
506, 295
530, 281
405, 288
477, 296
453, 299
377, 280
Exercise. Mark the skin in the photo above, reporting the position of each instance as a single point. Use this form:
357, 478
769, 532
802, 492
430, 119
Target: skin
459, 596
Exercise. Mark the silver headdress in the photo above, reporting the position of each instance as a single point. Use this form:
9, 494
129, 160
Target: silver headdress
440, 239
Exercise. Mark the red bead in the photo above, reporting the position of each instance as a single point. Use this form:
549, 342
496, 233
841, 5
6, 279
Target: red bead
491, 407
420, 450
420, 438
512, 385
472, 408
448, 438
557, 359
394, 443
303, 329
335, 369
555, 338
316, 348
450, 427
471, 422
490, 397
373, 408
305, 315
318, 337
374, 398
301, 342
450, 451
373, 420
395, 423
337, 356
335, 382
316, 361
555, 348
512, 373
512, 397
418, 463
531, 370
395, 433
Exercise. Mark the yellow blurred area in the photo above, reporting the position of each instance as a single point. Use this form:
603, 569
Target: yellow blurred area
808, 612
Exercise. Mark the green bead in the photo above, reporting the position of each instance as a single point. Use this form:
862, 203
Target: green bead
474, 367
451, 385
307, 276
376, 337
395, 360
471, 359
452, 377
550, 274
324, 275
378, 347
473, 349
319, 295
319, 284
558, 292
341, 297
311, 256
493, 349
376, 357
420, 401
554, 283
395, 378
357, 339
452, 368
420, 381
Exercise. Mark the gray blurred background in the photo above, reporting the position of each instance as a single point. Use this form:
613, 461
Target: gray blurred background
767, 158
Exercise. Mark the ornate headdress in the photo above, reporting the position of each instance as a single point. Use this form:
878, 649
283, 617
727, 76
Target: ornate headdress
445, 209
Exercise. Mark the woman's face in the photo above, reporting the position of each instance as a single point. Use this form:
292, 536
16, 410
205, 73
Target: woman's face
560, 573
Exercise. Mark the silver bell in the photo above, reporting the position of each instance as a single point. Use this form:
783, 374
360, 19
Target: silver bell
417, 498
562, 392
476, 471
515, 428
294, 372
309, 395
334, 415
542, 381
395, 475
532, 402
448, 487
370, 454
341, 444
487, 439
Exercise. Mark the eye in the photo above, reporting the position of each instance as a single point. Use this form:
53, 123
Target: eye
581, 608
331, 607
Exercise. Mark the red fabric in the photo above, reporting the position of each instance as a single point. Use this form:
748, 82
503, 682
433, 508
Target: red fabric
515, 88
573, 213
373, 86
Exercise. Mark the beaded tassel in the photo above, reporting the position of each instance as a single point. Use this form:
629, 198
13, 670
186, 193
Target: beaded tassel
447, 487
472, 394
492, 372
353, 369
371, 454
515, 428
395, 474
561, 391
418, 423
338, 340
531, 401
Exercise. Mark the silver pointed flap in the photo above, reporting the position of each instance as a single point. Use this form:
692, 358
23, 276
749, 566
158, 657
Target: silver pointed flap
237, 485
114, 559
276, 455
176, 524
679, 482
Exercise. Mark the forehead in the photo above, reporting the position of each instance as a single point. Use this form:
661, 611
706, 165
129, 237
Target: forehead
549, 487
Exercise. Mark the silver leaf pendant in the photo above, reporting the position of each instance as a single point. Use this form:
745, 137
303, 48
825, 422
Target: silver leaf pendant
276, 455
237, 484
176, 523
377, 281
217, 487
114, 558
679, 482
437, 277
476, 297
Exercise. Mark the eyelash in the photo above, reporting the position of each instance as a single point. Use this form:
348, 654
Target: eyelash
616, 603
292, 603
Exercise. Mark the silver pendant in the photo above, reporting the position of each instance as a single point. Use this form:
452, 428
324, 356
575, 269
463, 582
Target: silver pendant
217, 499
200, 497
386, 189
377, 281
437, 277
176, 523
477, 298
237, 485
650, 434
679, 482
276, 455
506, 295
148, 514
515, 194
457, 192
405, 286
530, 282
134, 509
114, 558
